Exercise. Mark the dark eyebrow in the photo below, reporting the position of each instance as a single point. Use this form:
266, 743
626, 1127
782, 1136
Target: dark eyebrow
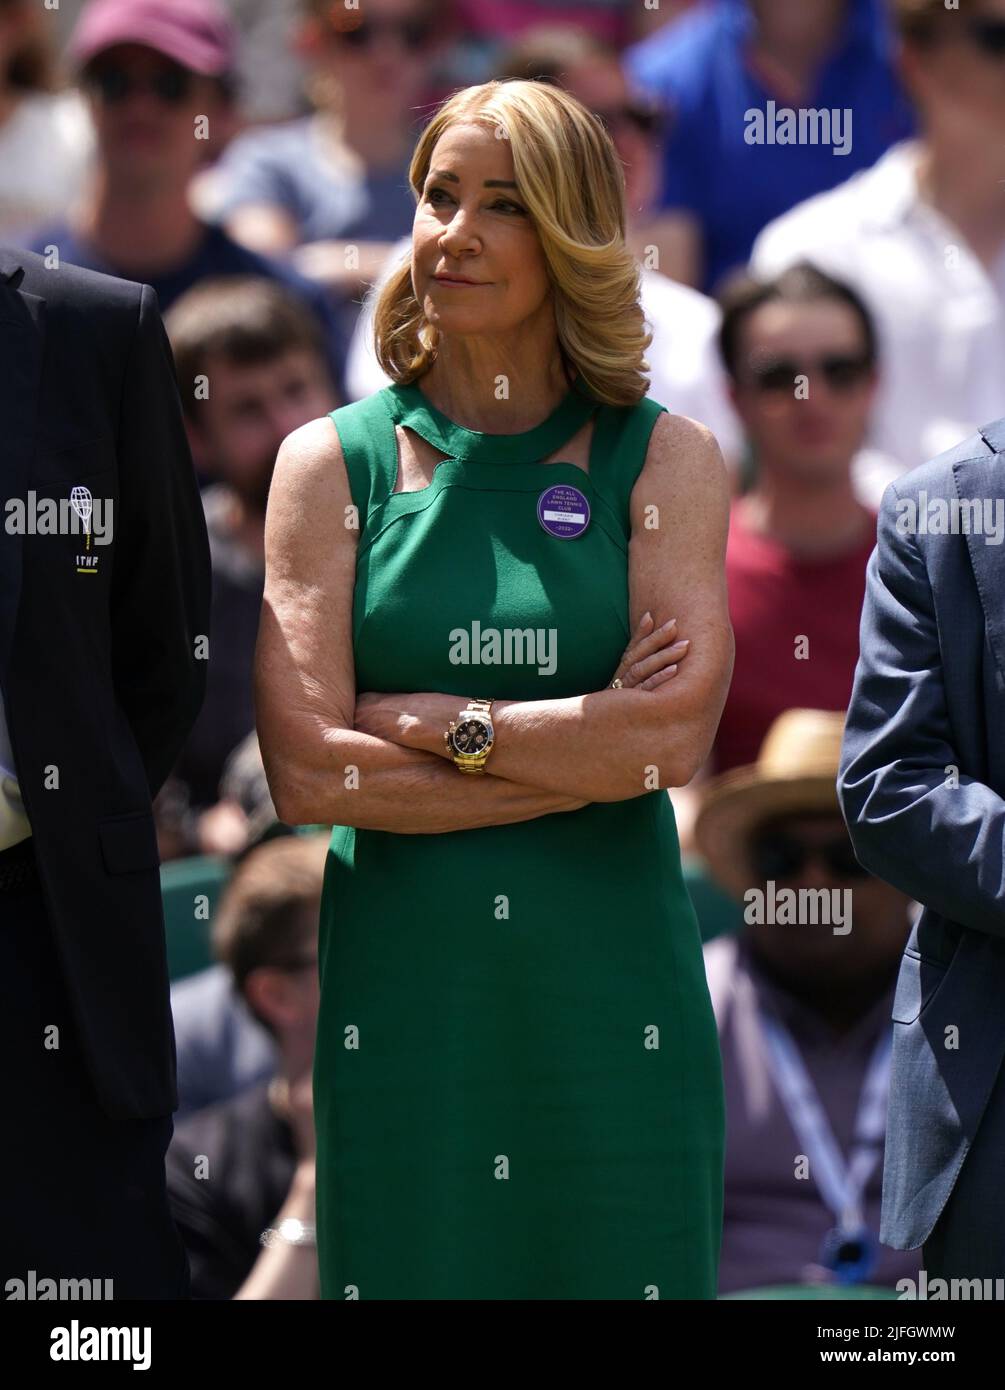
489, 183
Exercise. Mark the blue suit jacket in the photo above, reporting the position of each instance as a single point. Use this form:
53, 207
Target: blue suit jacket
922, 787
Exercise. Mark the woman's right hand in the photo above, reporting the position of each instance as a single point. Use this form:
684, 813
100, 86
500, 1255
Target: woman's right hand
652, 656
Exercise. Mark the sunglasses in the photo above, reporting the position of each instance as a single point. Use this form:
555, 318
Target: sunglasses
411, 33
988, 35
779, 856
114, 84
643, 118
842, 372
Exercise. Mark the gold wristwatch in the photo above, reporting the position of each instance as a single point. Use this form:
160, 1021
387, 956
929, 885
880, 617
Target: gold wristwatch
470, 737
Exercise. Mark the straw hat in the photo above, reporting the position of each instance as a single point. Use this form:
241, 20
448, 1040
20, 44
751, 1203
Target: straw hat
796, 771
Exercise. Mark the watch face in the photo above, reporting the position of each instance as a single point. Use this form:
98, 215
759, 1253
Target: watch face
471, 736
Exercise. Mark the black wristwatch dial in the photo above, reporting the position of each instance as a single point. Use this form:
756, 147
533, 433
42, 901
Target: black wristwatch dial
471, 736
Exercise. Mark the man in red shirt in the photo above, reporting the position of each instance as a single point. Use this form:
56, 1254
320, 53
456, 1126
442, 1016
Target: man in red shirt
800, 352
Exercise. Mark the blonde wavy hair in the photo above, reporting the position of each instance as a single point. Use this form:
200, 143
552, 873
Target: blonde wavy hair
570, 178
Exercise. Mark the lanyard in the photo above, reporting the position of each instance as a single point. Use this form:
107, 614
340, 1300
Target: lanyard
841, 1185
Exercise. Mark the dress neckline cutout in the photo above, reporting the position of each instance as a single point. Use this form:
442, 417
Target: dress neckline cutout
410, 408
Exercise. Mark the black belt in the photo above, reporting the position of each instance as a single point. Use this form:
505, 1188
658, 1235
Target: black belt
18, 865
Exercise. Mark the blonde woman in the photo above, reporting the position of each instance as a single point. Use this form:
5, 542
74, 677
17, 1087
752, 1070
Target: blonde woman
517, 1080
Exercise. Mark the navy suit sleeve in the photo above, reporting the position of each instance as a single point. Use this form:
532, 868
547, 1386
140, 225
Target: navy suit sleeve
939, 842
160, 598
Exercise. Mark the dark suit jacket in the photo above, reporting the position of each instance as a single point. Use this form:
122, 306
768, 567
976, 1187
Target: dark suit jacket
921, 785
99, 669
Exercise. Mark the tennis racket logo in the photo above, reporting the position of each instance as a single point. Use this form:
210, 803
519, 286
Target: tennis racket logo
82, 502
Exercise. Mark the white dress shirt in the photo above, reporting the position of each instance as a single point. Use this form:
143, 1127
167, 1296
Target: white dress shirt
940, 313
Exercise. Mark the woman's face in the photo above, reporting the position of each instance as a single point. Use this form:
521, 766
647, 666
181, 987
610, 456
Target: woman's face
472, 223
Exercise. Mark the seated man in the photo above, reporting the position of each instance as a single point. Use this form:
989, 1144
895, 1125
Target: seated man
246, 1165
800, 353
802, 999
158, 78
260, 356
222, 1048
921, 234
733, 75
801, 356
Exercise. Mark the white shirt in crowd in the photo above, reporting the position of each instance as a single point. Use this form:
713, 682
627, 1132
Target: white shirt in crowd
940, 314
46, 145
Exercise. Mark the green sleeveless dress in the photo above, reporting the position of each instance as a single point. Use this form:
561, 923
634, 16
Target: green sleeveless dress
517, 1079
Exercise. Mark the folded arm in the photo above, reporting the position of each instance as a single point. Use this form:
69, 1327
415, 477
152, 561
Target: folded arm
320, 769
611, 745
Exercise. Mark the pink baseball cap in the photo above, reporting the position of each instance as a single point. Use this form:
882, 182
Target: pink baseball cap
195, 33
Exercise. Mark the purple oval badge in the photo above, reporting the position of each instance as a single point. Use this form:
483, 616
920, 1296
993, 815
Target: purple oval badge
563, 511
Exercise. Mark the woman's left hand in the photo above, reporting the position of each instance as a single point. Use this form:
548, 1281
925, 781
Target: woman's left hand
417, 720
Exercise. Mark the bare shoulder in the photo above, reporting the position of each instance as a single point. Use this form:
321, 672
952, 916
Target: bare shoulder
310, 451
683, 466
686, 447
310, 524
310, 476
